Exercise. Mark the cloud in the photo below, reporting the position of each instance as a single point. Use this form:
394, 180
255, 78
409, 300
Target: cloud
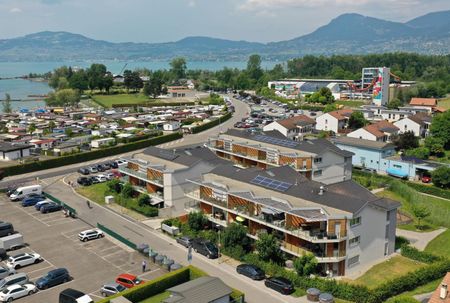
192, 3
15, 10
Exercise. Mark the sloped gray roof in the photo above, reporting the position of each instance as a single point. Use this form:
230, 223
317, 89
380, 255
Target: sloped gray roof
200, 290
364, 143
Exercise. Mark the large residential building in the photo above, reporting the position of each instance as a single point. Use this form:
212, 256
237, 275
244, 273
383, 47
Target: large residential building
162, 174
335, 121
380, 131
344, 225
317, 159
292, 128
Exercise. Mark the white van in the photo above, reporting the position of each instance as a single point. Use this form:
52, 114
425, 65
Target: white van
22, 192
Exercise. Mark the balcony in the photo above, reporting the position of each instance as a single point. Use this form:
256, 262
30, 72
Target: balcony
216, 219
135, 173
239, 154
156, 197
321, 256
315, 236
197, 196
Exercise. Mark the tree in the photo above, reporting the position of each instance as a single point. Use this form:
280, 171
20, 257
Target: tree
114, 185
356, 120
7, 104
32, 128
435, 145
178, 68
306, 265
235, 235
127, 190
143, 200
197, 221
407, 140
63, 97
254, 69
420, 212
441, 176
79, 81
418, 152
69, 132
268, 247
108, 82
329, 108
95, 75
154, 87
394, 104
440, 128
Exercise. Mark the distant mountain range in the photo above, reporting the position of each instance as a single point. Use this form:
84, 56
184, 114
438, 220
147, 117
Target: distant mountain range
346, 34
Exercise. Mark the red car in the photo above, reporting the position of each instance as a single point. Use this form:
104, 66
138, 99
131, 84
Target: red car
128, 280
426, 179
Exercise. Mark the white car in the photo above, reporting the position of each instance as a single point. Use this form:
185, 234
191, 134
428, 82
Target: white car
121, 162
109, 176
17, 291
101, 178
90, 234
22, 260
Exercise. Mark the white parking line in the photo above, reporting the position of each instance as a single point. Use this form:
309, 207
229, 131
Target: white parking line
29, 214
108, 255
36, 270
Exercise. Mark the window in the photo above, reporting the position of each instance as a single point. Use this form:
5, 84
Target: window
318, 173
397, 166
354, 241
318, 160
388, 214
353, 260
326, 121
386, 235
355, 221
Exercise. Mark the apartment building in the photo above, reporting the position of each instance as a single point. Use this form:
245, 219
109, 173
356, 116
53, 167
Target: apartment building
316, 159
335, 121
344, 225
293, 127
162, 174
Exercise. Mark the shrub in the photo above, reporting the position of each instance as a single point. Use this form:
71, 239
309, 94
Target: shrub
402, 299
441, 177
400, 241
146, 210
143, 200
211, 124
415, 254
268, 248
114, 185
197, 221
127, 190
306, 265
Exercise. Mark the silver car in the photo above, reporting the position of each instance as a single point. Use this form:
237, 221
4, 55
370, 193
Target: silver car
112, 288
6, 271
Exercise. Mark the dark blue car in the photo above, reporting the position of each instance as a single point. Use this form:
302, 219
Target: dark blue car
41, 203
53, 278
30, 201
50, 207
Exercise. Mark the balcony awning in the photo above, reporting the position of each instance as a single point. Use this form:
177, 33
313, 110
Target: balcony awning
270, 211
396, 173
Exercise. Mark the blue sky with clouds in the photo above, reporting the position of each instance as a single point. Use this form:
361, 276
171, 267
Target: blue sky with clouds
170, 20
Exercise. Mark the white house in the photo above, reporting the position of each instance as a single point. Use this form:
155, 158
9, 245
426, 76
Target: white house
10, 151
101, 142
334, 121
171, 126
292, 127
393, 115
43, 143
381, 131
418, 124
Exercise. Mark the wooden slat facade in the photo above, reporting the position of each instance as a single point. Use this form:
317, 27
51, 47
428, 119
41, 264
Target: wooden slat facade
133, 166
332, 227
151, 188
154, 174
133, 180
219, 144
206, 208
301, 162
205, 192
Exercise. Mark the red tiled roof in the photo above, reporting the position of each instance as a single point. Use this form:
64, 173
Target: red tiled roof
435, 298
423, 102
341, 114
378, 129
439, 109
291, 123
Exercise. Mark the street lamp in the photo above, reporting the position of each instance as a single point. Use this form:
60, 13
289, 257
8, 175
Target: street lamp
218, 246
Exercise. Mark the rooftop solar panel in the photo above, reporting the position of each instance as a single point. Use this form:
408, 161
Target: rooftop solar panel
276, 141
271, 183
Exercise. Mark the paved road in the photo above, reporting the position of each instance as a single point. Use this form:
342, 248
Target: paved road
241, 108
139, 233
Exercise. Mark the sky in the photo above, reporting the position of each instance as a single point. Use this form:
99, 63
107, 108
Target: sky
171, 20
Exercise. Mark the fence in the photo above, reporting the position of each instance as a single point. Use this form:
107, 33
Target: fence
50, 197
117, 236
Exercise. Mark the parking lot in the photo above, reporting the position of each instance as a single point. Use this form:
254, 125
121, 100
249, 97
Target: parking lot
54, 237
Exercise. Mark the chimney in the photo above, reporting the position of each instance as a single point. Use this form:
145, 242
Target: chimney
443, 292
321, 190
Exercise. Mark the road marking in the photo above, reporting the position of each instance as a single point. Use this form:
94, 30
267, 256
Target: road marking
36, 270
108, 255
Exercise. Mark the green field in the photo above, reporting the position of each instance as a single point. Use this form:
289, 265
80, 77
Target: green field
350, 103
440, 245
158, 298
396, 267
110, 100
95, 192
445, 103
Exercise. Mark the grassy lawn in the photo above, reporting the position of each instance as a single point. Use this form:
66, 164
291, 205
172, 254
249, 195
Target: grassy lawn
158, 298
440, 245
439, 210
445, 103
109, 100
396, 266
95, 192
350, 103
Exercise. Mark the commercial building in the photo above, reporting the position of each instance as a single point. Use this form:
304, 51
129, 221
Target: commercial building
344, 225
316, 159
376, 80
12, 151
301, 87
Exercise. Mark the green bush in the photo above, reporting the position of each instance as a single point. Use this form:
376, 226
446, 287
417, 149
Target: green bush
195, 272
146, 210
402, 299
92, 155
415, 254
211, 124
400, 241
431, 190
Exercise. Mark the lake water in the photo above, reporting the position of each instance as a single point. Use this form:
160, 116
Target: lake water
20, 89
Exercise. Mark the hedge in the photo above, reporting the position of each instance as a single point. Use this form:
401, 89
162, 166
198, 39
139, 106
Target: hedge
158, 104
153, 287
415, 254
211, 124
87, 156
430, 190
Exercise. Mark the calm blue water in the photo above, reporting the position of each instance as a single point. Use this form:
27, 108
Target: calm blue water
20, 89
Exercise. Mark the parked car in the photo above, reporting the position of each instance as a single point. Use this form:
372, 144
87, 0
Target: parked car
120, 162
84, 171
22, 260
117, 174
94, 179
109, 176
20, 279
280, 284
24, 191
112, 288
107, 165
50, 208
84, 181
101, 178
70, 295
251, 271
53, 278
17, 291
426, 179
41, 203
100, 168
6, 229
6, 271
186, 241
128, 280
90, 234
113, 165
30, 201
11, 189
206, 248
93, 169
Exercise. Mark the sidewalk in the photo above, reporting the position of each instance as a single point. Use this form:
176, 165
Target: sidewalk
419, 240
